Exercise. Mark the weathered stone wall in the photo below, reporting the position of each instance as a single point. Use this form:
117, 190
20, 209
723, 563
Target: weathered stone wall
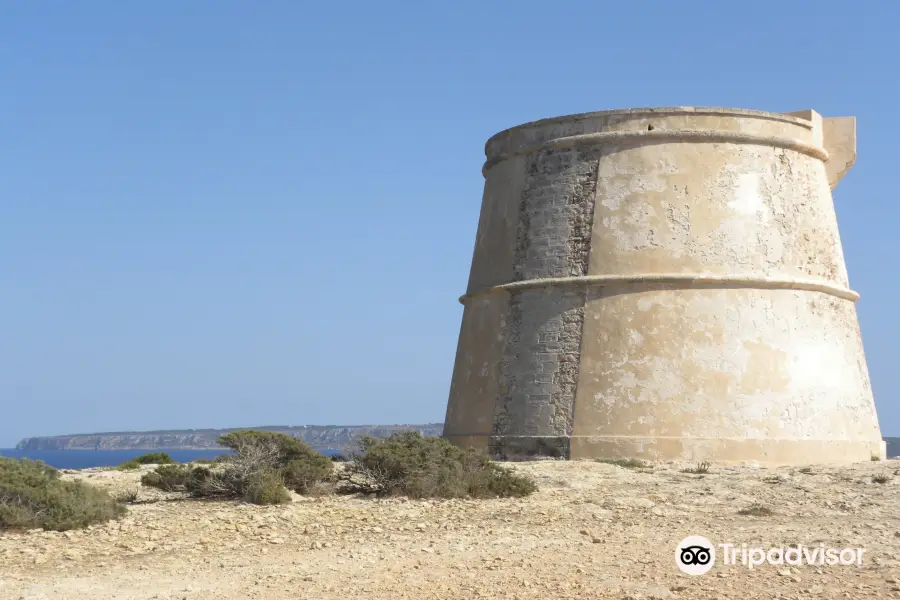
475, 381
539, 369
664, 283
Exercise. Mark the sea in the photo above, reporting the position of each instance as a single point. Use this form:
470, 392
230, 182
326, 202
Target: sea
86, 459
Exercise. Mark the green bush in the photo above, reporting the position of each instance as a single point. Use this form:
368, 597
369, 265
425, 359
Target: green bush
302, 475
32, 495
407, 464
285, 448
127, 497
261, 468
168, 478
216, 483
198, 481
153, 458
266, 487
253, 452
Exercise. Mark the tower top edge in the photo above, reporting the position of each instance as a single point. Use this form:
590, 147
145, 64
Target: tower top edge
658, 111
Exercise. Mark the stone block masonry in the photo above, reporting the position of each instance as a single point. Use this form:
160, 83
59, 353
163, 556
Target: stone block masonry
538, 373
539, 368
664, 283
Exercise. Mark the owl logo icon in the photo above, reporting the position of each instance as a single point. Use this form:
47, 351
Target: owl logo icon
695, 555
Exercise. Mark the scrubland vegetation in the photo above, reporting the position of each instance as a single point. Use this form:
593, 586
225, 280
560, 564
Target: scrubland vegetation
262, 468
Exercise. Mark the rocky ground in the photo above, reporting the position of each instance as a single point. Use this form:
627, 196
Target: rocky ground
592, 531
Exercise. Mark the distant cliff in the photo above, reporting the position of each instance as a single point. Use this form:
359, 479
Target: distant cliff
320, 437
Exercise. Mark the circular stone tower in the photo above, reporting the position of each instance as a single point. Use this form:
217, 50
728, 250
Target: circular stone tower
668, 284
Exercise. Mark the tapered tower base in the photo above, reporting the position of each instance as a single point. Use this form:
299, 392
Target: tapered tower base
664, 284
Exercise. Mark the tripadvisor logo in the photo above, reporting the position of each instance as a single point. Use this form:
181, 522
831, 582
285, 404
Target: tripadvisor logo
696, 555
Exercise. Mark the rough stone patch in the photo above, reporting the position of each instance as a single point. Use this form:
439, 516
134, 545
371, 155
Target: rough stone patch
539, 369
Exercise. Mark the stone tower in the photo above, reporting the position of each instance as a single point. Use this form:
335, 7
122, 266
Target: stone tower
668, 284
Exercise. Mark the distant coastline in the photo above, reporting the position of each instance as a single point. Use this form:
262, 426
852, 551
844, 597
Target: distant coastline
323, 438
341, 438
86, 459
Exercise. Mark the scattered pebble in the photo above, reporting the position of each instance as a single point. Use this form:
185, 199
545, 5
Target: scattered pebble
590, 532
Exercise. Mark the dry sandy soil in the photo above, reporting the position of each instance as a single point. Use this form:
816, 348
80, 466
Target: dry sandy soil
592, 531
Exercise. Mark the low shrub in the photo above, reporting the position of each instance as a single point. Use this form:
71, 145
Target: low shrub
756, 510
261, 468
153, 458
282, 448
266, 487
407, 464
882, 478
301, 475
127, 497
700, 469
32, 496
254, 452
168, 478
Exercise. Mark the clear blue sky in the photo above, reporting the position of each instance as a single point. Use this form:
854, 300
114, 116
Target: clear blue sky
221, 213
